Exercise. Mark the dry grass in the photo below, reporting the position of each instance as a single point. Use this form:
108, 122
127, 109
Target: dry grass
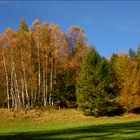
42, 118
41, 115
56, 115
66, 123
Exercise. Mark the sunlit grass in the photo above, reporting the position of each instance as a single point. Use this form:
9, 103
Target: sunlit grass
66, 124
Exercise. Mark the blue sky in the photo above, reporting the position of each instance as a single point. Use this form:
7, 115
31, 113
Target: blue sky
111, 26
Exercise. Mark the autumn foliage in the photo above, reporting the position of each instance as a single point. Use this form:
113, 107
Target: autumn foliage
43, 66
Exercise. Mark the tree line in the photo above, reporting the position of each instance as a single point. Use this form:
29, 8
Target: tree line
43, 66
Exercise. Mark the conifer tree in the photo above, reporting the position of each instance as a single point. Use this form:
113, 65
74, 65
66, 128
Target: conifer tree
85, 86
94, 96
132, 54
22, 27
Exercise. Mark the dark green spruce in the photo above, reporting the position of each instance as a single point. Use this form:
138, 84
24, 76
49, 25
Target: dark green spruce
94, 86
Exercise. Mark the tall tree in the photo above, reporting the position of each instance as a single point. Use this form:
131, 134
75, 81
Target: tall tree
127, 74
132, 54
94, 96
73, 35
138, 55
22, 27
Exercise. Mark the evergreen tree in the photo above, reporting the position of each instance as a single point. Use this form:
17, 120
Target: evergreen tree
64, 91
106, 89
93, 86
132, 54
112, 69
85, 86
22, 27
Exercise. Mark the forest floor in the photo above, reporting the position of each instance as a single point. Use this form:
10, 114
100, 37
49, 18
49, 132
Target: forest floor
66, 124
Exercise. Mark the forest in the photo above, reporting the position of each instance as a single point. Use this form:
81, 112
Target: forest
41, 66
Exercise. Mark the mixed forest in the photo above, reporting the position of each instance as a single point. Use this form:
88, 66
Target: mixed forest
41, 66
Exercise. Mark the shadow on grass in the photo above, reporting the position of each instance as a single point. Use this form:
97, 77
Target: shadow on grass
121, 131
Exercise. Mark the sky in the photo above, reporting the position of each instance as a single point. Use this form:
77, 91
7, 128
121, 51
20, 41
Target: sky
110, 26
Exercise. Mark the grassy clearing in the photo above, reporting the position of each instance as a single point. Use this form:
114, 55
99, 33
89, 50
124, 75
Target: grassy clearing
66, 124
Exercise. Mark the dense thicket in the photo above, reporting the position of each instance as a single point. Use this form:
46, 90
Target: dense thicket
43, 66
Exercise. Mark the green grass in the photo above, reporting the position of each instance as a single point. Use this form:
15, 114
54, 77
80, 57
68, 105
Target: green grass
67, 125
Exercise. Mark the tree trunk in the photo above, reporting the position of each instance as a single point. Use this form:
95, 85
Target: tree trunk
39, 72
32, 96
12, 90
22, 92
18, 105
44, 90
26, 87
7, 81
15, 83
55, 80
25, 80
51, 82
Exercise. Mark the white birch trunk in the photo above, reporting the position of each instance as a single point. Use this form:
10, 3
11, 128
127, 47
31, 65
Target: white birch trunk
12, 90
51, 82
15, 83
25, 80
39, 74
22, 92
7, 81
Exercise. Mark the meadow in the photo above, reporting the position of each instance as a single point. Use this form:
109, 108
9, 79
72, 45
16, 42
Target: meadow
66, 124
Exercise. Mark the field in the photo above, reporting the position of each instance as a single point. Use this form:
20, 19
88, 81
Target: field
66, 124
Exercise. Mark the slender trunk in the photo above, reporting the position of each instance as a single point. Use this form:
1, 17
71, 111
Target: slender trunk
12, 90
32, 96
26, 91
19, 100
44, 76
15, 96
13, 100
54, 72
15, 83
25, 81
16, 89
22, 92
44, 90
54, 80
7, 81
39, 74
51, 81
26, 87
35, 95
